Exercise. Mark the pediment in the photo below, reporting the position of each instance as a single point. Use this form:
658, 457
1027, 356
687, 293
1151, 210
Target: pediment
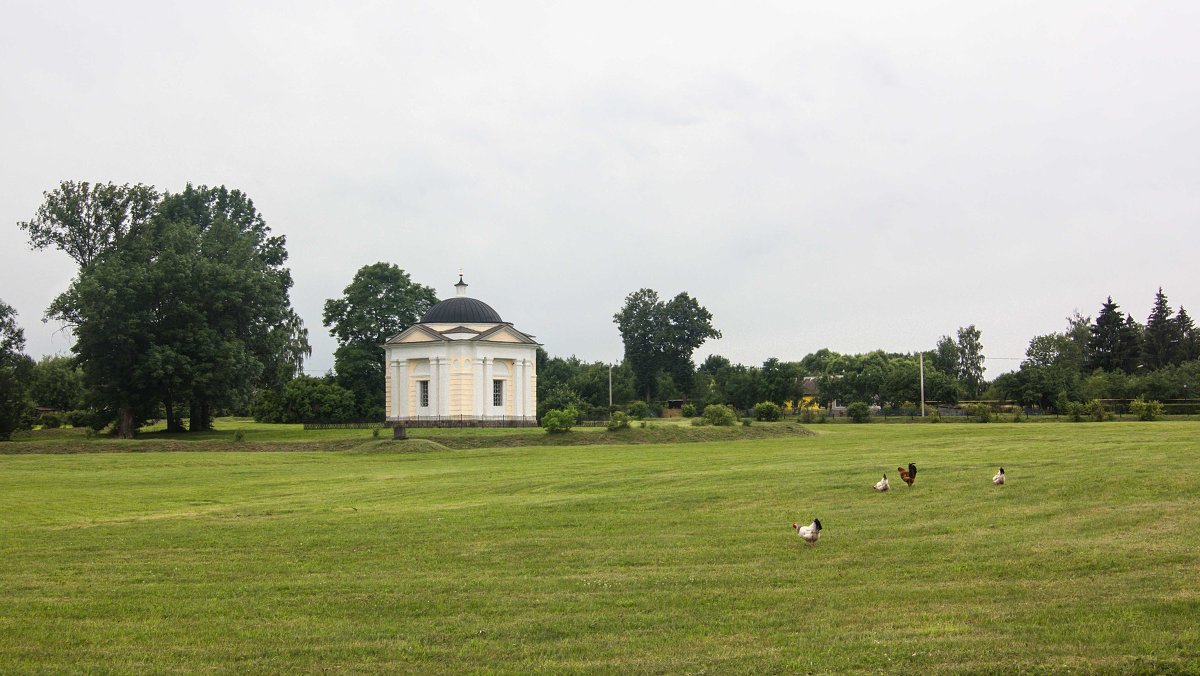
416, 334
505, 333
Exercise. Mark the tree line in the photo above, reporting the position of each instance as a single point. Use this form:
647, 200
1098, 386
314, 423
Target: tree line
1111, 357
180, 310
660, 338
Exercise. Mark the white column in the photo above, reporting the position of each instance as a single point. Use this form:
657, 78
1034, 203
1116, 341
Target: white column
443, 386
394, 383
531, 374
400, 389
519, 388
479, 410
527, 389
487, 386
434, 385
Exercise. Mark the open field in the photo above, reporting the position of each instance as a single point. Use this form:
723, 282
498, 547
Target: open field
644, 558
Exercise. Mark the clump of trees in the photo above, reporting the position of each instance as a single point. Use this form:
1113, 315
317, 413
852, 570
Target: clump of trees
660, 337
1112, 357
181, 301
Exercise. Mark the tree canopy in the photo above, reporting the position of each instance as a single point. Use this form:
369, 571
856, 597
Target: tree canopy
660, 337
381, 301
83, 220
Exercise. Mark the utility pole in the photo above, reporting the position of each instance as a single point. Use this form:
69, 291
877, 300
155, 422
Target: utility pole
610, 368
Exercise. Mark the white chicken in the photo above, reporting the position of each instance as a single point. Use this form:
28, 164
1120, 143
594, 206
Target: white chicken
999, 478
811, 533
883, 484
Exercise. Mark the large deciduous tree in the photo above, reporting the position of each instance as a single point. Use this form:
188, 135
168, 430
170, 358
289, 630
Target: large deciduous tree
187, 307
946, 356
381, 301
660, 337
970, 360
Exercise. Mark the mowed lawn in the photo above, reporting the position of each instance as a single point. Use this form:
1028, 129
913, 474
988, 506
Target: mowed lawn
659, 558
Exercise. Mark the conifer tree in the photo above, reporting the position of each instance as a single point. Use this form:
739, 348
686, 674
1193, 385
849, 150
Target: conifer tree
1129, 345
1189, 338
1104, 346
1160, 343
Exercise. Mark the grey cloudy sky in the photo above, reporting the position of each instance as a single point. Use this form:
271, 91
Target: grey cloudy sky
844, 175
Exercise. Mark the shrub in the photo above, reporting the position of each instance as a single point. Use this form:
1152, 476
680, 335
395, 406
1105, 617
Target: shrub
719, 414
767, 410
619, 421
304, 398
689, 410
638, 409
51, 421
1146, 410
239, 435
1095, 410
1018, 416
981, 412
806, 415
559, 420
746, 422
859, 412
698, 422
1074, 411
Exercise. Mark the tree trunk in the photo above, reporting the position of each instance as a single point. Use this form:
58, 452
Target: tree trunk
125, 423
174, 424
199, 421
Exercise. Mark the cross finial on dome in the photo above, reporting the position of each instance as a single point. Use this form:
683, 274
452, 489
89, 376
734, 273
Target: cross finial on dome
461, 287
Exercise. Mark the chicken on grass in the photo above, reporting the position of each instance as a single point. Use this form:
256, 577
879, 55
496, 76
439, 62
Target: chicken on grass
999, 478
810, 533
883, 484
908, 475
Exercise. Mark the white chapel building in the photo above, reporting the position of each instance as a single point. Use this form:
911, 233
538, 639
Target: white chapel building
461, 365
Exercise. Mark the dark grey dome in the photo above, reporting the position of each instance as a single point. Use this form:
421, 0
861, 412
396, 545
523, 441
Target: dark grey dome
461, 310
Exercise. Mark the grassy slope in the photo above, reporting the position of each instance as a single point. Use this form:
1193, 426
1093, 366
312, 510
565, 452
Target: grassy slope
616, 558
263, 437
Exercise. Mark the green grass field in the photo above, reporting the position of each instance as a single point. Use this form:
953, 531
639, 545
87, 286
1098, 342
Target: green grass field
614, 558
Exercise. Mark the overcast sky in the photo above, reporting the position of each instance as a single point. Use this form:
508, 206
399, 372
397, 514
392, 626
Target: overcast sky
845, 175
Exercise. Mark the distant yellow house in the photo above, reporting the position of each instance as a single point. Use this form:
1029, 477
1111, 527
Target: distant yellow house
808, 397
461, 364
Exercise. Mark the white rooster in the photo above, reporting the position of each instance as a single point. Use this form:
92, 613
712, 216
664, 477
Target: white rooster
811, 533
883, 484
999, 478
